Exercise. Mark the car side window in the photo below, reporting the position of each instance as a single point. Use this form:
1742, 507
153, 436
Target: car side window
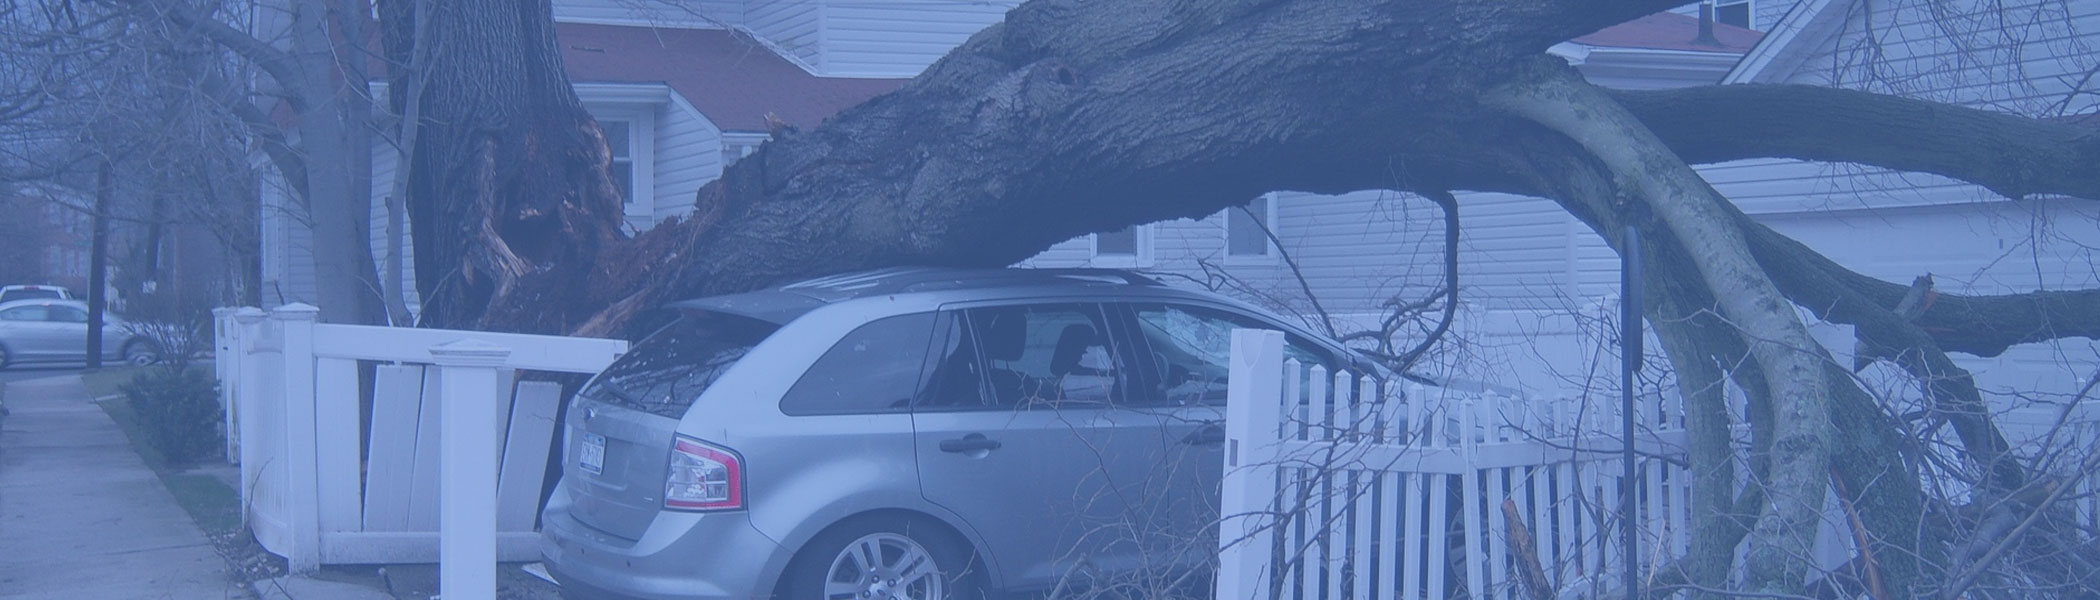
26, 313
1192, 349
66, 314
1029, 356
876, 368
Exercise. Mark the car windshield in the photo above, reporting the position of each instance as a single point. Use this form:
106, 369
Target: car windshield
668, 370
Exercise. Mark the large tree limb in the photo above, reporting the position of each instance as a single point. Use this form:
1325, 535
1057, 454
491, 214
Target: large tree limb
1546, 165
1071, 118
2012, 155
1554, 96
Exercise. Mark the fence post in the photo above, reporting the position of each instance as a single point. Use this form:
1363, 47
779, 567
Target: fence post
225, 348
296, 322
248, 326
467, 495
1254, 397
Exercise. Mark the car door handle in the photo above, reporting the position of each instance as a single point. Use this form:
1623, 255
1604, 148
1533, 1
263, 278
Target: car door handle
1208, 435
970, 443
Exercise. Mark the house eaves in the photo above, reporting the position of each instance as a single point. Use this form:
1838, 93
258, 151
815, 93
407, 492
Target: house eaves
1646, 68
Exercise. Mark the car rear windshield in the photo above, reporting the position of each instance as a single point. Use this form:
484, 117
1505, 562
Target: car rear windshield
669, 369
12, 295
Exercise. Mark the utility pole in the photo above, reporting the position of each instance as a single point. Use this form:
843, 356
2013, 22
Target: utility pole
98, 265
1630, 350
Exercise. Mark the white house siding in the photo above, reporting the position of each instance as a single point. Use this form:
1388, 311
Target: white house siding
287, 249
1768, 12
661, 13
863, 38
688, 155
2048, 50
385, 158
791, 25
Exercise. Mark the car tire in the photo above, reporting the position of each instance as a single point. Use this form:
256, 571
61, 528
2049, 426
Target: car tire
140, 353
830, 566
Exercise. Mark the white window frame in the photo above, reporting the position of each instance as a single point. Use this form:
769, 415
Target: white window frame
1749, 9
1271, 254
1142, 235
637, 104
641, 152
736, 146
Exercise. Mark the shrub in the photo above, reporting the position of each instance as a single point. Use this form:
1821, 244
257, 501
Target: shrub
179, 411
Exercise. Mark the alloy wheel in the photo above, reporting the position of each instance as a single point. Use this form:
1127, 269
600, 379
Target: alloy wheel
884, 566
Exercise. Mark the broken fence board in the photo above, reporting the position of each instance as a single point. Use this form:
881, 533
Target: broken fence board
397, 397
525, 453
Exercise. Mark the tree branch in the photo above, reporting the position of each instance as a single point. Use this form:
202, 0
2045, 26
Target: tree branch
1449, 203
279, 64
2011, 155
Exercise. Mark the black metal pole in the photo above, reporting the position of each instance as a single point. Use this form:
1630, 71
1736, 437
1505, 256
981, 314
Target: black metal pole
1630, 342
98, 267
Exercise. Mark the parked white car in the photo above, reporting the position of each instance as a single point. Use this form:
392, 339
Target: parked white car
34, 292
50, 330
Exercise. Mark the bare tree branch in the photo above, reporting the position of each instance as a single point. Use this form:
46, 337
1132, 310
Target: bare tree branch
2011, 155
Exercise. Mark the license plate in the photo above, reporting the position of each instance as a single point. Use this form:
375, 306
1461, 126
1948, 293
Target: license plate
591, 456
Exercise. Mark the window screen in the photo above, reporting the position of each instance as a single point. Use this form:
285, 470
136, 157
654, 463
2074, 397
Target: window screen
1245, 229
619, 140
1121, 242
874, 369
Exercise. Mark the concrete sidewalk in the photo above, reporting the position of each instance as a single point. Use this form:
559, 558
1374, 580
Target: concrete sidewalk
82, 517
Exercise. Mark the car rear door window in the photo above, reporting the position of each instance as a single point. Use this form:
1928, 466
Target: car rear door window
875, 369
26, 313
1027, 356
666, 371
66, 314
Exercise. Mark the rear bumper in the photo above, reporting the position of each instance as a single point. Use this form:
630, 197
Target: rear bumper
682, 556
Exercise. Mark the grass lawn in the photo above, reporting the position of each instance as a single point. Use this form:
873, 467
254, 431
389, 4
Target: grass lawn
215, 506
103, 382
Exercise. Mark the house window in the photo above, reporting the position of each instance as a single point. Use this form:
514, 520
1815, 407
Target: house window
619, 138
1733, 12
1126, 247
737, 145
1247, 230
630, 138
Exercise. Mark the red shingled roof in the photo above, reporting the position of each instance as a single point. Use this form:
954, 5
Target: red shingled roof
727, 76
1671, 31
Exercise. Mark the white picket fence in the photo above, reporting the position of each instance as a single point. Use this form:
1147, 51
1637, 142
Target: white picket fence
455, 461
1339, 486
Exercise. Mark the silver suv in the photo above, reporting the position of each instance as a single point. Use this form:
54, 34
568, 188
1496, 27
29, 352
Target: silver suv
905, 433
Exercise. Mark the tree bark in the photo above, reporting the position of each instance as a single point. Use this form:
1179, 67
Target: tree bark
1892, 506
338, 199
510, 195
1071, 118
1666, 187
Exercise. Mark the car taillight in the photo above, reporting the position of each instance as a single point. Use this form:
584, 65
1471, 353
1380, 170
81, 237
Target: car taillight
703, 477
